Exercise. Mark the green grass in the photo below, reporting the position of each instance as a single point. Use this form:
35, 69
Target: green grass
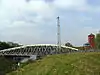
66, 64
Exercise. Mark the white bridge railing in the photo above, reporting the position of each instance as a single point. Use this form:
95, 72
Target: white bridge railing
38, 49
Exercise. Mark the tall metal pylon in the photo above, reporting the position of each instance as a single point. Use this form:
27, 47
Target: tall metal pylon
58, 34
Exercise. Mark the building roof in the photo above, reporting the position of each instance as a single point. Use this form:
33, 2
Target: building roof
91, 34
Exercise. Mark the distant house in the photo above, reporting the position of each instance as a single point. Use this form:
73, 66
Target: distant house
87, 46
91, 40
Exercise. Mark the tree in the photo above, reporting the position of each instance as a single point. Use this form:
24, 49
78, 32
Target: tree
68, 44
11, 44
5, 45
97, 41
6, 64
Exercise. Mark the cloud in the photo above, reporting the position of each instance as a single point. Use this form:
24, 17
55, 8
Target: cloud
70, 3
35, 21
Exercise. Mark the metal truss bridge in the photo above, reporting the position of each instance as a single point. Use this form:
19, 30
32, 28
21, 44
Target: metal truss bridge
37, 49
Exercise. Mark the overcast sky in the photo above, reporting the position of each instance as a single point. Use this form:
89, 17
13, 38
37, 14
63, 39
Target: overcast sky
34, 21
